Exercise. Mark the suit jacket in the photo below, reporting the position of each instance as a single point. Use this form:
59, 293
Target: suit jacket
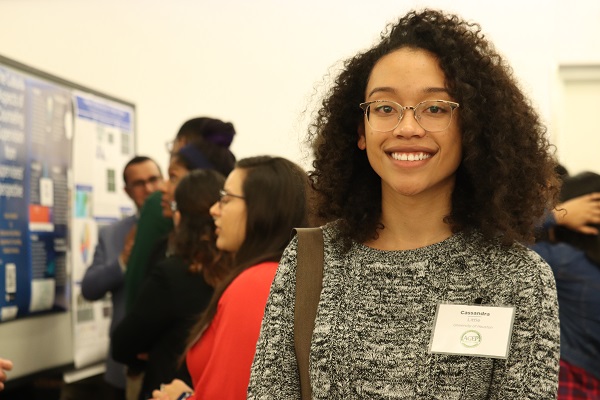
168, 304
104, 276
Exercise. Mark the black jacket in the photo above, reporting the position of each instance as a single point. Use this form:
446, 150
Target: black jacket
167, 306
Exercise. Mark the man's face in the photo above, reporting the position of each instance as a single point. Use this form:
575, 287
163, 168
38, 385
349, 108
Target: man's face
142, 179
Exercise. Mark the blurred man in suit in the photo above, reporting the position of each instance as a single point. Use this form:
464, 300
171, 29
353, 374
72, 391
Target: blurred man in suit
142, 177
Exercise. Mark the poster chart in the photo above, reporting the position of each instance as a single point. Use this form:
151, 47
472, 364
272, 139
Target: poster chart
35, 160
103, 145
62, 153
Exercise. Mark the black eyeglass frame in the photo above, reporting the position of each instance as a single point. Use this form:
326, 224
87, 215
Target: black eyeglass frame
223, 193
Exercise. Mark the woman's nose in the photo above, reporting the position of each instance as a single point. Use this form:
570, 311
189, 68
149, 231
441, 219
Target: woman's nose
214, 210
408, 126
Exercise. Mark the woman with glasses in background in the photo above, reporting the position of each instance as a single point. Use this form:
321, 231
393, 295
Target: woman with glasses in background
263, 199
431, 167
178, 288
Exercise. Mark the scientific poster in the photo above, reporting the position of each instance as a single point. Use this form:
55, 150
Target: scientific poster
103, 145
35, 160
62, 153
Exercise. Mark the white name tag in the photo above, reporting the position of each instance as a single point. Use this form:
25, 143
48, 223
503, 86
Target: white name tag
472, 330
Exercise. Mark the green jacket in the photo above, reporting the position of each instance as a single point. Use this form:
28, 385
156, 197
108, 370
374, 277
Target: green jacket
151, 227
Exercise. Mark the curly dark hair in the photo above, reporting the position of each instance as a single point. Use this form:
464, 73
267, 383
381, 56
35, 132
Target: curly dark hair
506, 179
194, 239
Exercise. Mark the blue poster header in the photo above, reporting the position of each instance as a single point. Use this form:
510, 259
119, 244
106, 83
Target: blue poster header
101, 112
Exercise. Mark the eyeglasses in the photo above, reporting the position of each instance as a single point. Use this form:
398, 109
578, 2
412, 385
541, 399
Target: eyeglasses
140, 183
431, 115
225, 197
169, 146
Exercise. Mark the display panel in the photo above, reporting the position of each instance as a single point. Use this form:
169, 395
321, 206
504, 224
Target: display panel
62, 151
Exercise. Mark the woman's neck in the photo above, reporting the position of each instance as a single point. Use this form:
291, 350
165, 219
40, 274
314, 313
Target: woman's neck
412, 222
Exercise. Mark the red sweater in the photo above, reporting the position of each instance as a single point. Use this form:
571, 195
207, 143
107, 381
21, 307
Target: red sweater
220, 361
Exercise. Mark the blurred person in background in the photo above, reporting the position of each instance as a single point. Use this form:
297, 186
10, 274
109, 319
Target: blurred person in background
211, 139
106, 274
571, 245
177, 289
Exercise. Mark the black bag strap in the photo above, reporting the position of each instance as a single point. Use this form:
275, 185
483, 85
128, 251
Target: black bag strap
309, 282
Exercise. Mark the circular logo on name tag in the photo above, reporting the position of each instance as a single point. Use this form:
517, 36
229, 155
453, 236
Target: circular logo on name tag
470, 338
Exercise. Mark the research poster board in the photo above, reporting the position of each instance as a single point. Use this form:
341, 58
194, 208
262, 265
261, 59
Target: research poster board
104, 133
62, 151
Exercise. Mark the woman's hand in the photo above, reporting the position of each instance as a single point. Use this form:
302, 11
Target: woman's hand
171, 391
577, 213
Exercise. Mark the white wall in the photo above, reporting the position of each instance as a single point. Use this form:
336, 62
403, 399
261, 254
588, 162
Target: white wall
256, 63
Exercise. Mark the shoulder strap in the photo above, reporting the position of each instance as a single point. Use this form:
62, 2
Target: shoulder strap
309, 281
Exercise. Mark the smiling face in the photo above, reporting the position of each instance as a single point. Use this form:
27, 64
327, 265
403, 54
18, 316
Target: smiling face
230, 213
409, 160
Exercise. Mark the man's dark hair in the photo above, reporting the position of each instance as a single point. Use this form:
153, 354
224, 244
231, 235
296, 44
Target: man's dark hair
137, 160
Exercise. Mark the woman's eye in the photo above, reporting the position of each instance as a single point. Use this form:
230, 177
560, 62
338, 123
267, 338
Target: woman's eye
385, 109
436, 109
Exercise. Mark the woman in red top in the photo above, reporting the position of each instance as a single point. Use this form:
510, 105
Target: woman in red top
262, 200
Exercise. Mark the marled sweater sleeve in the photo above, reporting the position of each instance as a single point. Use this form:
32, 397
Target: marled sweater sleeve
274, 372
531, 371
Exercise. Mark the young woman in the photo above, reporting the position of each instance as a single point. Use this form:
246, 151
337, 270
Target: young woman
431, 166
177, 289
263, 199
201, 142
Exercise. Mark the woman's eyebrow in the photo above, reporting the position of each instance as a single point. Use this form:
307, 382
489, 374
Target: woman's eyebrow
388, 89
436, 90
385, 89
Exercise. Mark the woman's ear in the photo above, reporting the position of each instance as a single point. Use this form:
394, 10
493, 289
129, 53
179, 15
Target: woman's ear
362, 141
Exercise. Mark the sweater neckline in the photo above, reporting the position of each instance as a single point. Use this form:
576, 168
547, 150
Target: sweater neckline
452, 241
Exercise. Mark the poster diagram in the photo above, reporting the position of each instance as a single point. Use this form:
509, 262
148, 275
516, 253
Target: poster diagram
104, 131
34, 163
62, 152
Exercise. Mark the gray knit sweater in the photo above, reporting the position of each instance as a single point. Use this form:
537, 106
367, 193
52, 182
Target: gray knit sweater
376, 314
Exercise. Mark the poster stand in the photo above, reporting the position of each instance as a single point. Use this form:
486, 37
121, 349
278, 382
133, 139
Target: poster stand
63, 147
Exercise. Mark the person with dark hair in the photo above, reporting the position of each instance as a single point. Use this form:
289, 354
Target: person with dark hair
131, 184
263, 199
202, 143
573, 251
213, 130
431, 168
177, 289
186, 159
106, 274
212, 138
